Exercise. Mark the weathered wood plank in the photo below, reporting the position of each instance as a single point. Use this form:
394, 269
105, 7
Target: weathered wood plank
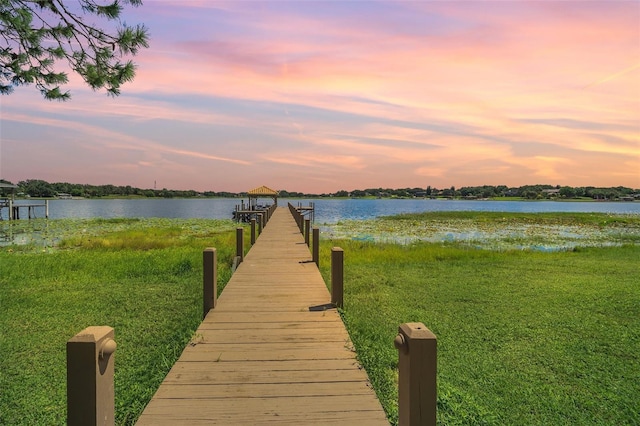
266, 351
185, 408
308, 326
267, 366
351, 418
286, 336
274, 390
251, 354
231, 353
246, 378
216, 316
315, 407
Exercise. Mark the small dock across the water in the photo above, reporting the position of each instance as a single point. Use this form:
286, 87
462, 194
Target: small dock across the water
14, 209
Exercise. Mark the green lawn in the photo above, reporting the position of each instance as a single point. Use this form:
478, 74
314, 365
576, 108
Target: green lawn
524, 337
144, 278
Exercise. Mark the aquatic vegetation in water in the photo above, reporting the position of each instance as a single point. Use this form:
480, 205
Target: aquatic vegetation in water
550, 233
47, 235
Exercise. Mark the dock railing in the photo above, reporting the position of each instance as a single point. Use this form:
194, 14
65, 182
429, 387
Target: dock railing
244, 213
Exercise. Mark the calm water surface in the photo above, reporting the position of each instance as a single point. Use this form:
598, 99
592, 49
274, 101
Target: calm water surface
327, 210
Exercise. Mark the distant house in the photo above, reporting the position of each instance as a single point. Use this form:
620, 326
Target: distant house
64, 196
551, 192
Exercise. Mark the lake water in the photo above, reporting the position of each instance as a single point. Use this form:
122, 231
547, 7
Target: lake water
326, 210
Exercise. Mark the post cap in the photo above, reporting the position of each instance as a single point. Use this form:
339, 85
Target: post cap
415, 330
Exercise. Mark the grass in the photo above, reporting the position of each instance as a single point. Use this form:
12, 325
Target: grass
523, 337
144, 278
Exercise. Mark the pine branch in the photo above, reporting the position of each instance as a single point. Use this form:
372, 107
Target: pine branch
90, 51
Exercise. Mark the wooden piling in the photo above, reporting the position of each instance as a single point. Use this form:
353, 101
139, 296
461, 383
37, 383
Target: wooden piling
337, 276
316, 246
417, 370
240, 244
90, 368
209, 280
253, 231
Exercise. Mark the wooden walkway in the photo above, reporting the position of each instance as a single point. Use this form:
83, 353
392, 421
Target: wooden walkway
261, 356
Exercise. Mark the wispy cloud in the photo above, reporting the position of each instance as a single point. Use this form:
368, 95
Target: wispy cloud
326, 95
614, 75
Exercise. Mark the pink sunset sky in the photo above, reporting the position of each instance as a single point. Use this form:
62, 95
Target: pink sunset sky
320, 96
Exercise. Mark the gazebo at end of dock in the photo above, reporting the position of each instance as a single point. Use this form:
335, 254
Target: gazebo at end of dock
261, 192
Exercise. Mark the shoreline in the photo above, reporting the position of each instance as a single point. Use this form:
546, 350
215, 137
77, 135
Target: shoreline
519, 199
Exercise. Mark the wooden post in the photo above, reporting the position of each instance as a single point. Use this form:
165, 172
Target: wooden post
337, 276
316, 246
307, 232
240, 243
209, 280
417, 369
253, 231
11, 209
260, 223
90, 391
46, 209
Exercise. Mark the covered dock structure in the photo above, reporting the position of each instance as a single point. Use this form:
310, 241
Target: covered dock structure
245, 213
261, 192
7, 201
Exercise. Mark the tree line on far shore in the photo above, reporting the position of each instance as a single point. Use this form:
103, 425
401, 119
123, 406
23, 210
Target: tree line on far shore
41, 188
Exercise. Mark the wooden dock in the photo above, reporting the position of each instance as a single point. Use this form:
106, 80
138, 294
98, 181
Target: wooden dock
268, 353
14, 209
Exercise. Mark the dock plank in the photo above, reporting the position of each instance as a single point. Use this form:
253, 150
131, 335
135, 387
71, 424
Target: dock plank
262, 356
